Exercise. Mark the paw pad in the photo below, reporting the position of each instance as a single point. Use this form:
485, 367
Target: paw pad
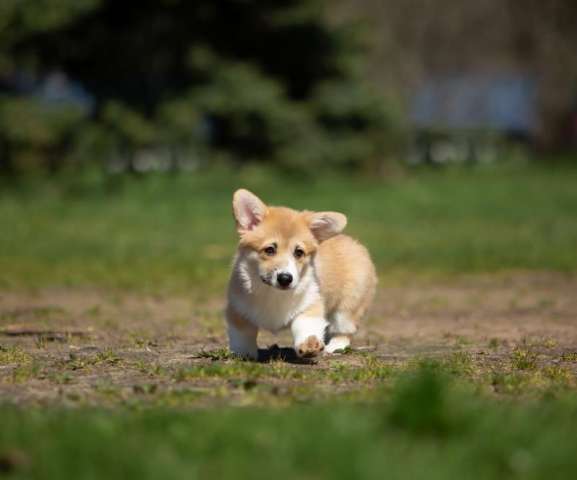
311, 347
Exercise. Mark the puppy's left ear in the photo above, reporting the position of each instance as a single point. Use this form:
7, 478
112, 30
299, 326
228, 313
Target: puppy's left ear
325, 225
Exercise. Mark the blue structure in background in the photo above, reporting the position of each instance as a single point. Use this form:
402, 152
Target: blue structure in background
469, 109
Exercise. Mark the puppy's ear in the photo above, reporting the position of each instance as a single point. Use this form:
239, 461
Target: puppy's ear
325, 225
248, 210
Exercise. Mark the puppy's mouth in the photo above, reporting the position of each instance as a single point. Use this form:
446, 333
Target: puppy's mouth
266, 281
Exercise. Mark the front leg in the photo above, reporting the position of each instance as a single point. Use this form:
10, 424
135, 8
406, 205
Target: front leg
308, 329
241, 335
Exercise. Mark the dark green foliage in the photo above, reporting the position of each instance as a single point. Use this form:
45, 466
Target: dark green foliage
33, 133
420, 404
245, 80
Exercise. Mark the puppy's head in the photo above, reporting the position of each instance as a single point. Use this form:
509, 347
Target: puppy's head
279, 243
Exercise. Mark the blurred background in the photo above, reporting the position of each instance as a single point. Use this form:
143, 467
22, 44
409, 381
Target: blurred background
364, 85
445, 130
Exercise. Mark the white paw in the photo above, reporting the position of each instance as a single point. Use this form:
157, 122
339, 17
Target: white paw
311, 347
337, 343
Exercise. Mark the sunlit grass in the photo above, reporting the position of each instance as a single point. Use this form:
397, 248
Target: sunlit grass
174, 233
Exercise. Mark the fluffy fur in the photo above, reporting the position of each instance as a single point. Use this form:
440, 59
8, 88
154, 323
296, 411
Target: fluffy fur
295, 270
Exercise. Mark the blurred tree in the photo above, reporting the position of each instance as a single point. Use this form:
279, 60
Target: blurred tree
252, 79
418, 39
31, 131
34, 134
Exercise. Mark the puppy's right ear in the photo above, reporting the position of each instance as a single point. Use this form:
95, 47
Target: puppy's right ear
248, 210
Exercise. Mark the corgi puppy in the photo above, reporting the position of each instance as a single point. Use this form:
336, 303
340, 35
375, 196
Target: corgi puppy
294, 269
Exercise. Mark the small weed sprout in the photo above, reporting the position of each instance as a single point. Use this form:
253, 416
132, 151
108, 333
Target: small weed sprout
522, 359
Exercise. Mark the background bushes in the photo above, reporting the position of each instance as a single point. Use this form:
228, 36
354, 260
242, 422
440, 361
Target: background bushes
172, 84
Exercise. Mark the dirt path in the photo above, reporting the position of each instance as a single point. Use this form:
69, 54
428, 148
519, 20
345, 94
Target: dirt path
78, 347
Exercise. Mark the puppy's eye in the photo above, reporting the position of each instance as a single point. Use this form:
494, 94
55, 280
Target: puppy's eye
299, 252
270, 250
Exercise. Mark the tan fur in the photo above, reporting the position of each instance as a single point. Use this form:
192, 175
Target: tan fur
346, 276
338, 265
315, 309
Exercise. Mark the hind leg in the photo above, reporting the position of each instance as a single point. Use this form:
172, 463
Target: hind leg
340, 331
344, 322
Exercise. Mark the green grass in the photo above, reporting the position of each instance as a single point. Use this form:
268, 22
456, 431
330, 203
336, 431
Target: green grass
427, 428
462, 417
13, 355
176, 233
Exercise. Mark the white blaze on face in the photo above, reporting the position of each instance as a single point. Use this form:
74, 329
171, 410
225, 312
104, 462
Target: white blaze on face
290, 268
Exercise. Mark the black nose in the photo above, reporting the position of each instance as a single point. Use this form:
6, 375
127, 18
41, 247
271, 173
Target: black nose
284, 279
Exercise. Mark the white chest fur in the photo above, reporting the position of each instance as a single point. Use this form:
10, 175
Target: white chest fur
268, 307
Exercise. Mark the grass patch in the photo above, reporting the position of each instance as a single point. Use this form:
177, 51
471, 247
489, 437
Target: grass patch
176, 233
369, 370
426, 427
14, 355
523, 359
